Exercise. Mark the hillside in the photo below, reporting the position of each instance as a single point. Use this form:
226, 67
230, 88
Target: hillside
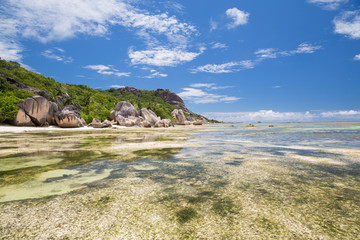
17, 83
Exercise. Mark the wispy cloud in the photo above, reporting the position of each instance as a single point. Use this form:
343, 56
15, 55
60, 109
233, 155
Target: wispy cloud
273, 116
226, 67
199, 93
162, 56
276, 86
328, 4
10, 50
260, 55
238, 17
357, 57
348, 23
213, 25
57, 54
200, 96
155, 74
107, 70
219, 45
52, 20
211, 86
117, 86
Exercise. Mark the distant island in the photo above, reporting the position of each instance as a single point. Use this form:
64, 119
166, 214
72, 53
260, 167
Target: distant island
31, 99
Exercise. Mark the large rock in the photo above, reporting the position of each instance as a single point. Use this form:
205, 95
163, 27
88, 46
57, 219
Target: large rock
172, 98
126, 109
26, 87
149, 116
164, 123
38, 109
69, 119
22, 119
198, 122
179, 116
96, 123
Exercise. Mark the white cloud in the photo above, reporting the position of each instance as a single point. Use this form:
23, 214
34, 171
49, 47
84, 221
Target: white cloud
305, 48
328, 4
57, 54
199, 96
239, 17
53, 20
273, 116
266, 53
260, 55
357, 57
225, 67
332, 114
162, 57
213, 25
211, 86
200, 85
117, 86
348, 23
154, 74
219, 45
107, 70
10, 50
276, 86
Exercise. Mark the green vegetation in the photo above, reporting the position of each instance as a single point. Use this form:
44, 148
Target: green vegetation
94, 103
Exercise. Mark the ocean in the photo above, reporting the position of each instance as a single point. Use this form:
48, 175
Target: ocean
221, 181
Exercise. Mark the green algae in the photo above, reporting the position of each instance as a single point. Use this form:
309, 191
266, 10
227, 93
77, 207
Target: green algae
157, 153
186, 214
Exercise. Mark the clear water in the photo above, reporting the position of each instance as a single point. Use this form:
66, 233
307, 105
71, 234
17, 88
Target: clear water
213, 182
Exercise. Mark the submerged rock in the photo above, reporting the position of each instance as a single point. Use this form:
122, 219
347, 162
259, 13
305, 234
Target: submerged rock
250, 125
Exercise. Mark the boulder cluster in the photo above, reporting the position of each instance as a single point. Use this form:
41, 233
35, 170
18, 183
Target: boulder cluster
38, 111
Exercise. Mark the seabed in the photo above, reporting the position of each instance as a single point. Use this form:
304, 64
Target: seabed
293, 181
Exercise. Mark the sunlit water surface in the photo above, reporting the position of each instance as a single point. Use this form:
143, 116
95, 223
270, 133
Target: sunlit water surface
213, 182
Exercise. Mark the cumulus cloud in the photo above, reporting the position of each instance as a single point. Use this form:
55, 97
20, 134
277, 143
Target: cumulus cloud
52, 20
357, 57
57, 54
162, 56
238, 17
273, 116
328, 4
200, 96
107, 70
260, 55
219, 45
348, 23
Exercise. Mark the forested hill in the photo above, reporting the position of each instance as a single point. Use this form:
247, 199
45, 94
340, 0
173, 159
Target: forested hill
17, 83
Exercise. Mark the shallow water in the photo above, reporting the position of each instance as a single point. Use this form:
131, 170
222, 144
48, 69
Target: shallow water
213, 182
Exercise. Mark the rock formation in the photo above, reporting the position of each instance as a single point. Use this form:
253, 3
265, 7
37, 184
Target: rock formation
172, 98
68, 117
179, 116
26, 87
96, 123
36, 111
149, 116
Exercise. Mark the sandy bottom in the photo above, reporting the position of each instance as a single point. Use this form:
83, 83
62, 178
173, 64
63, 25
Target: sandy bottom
178, 183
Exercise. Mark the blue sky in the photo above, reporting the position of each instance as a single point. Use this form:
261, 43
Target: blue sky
238, 60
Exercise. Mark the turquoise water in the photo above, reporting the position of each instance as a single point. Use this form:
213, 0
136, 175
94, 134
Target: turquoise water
290, 181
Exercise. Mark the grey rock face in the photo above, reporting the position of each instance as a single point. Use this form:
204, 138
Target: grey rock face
179, 116
149, 116
126, 109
